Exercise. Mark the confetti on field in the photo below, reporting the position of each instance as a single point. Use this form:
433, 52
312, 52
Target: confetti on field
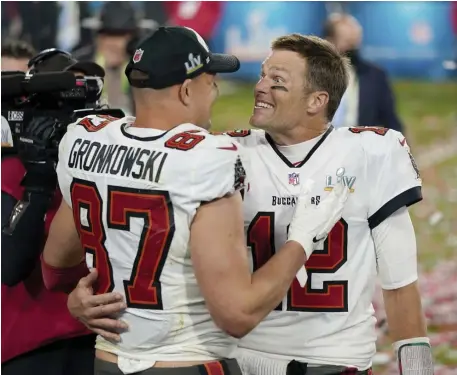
439, 296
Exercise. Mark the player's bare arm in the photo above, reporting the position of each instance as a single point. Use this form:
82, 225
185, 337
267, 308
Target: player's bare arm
237, 299
397, 264
63, 251
405, 302
63, 248
220, 260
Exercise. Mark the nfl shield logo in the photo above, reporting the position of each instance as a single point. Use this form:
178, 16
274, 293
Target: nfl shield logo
138, 55
294, 179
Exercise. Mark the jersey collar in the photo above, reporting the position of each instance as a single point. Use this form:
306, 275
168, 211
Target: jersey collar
310, 153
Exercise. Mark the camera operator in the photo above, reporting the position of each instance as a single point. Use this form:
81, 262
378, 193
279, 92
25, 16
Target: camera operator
38, 333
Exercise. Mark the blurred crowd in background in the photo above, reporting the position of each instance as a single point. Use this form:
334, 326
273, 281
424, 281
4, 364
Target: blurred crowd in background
103, 32
416, 40
404, 60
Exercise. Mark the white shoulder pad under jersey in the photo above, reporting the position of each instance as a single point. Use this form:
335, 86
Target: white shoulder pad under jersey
206, 166
391, 171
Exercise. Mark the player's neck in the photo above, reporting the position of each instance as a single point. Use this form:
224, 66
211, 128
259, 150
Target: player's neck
299, 133
159, 117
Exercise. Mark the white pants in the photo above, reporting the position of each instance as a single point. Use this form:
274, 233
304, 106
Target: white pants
254, 364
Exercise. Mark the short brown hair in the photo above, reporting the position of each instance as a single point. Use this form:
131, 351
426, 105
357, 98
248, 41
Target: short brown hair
17, 49
138, 76
327, 69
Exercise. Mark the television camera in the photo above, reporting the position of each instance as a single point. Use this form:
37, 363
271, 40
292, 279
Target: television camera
48, 101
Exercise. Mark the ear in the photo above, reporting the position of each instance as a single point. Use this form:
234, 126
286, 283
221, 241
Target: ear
185, 92
317, 102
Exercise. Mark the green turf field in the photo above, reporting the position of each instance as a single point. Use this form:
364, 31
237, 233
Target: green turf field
429, 113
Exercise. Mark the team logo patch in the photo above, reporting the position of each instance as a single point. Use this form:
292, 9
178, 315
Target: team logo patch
294, 179
240, 175
194, 63
404, 144
15, 116
340, 175
138, 55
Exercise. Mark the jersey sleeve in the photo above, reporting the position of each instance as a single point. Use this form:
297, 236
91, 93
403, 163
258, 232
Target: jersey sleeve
63, 172
220, 172
392, 174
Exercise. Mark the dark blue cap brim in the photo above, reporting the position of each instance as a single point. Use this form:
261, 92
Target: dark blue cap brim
222, 63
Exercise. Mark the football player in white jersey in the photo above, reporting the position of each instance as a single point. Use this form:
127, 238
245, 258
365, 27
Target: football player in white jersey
328, 327
154, 202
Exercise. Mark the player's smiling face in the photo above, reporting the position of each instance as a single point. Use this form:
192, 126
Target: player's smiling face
280, 92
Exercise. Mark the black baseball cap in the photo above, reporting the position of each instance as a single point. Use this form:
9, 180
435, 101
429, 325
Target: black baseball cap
55, 60
170, 55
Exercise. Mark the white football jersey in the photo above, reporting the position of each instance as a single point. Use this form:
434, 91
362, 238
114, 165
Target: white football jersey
330, 320
134, 194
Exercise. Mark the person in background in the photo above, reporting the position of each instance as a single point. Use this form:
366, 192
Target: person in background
156, 11
85, 12
8, 14
38, 333
368, 100
33, 21
69, 25
117, 28
153, 11
16, 54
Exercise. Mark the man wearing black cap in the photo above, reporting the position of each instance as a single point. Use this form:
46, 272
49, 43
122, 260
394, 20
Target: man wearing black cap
116, 29
38, 333
155, 202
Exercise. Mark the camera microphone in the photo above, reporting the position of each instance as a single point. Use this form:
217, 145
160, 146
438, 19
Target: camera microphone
48, 82
17, 85
12, 85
